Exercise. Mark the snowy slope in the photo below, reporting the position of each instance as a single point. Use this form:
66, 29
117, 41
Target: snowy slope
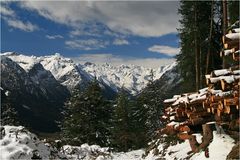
19, 143
219, 148
132, 78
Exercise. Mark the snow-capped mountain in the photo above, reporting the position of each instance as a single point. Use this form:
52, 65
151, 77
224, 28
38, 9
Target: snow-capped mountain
37, 87
33, 92
63, 69
132, 78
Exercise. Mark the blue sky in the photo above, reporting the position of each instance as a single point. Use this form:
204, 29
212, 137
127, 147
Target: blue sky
138, 32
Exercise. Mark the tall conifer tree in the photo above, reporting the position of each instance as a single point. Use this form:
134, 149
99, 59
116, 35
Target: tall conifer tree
87, 117
197, 41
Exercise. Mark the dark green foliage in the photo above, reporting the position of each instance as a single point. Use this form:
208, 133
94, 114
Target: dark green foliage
233, 7
87, 117
150, 109
128, 125
9, 115
149, 104
194, 32
122, 131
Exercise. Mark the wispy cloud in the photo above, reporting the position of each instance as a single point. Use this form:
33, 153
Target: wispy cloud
120, 42
6, 11
119, 16
118, 60
13, 21
54, 36
24, 26
89, 44
170, 51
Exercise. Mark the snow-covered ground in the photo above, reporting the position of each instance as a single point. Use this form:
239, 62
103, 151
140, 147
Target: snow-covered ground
18, 143
87, 152
218, 150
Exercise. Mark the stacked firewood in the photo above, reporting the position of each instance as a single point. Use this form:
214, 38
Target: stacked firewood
217, 104
231, 42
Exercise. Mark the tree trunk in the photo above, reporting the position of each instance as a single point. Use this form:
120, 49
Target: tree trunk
196, 48
225, 25
193, 143
210, 40
207, 136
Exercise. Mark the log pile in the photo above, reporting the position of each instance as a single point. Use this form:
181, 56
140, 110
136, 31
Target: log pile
231, 42
218, 103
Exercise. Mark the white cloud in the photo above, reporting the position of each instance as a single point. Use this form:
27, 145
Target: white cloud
4, 10
12, 20
170, 51
89, 44
54, 36
118, 60
148, 19
25, 26
120, 42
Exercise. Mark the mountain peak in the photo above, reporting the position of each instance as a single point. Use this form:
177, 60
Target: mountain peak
133, 78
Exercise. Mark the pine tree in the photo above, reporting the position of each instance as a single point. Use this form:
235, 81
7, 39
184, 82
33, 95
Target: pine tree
233, 7
87, 117
149, 108
122, 130
138, 119
200, 41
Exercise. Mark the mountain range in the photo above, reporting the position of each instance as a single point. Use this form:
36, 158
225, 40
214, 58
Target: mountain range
37, 87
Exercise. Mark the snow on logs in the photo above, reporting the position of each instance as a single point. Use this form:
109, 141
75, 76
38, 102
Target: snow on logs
231, 44
218, 102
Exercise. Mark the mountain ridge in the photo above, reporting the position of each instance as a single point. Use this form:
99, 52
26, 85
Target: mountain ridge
70, 74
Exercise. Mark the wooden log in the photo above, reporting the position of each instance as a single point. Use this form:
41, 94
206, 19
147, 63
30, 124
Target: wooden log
206, 104
183, 136
208, 76
212, 110
226, 86
227, 109
214, 105
219, 111
220, 105
227, 52
215, 99
230, 101
234, 125
184, 128
197, 121
180, 112
193, 143
207, 137
169, 130
231, 37
209, 110
236, 55
235, 67
231, 44
198, 109
194, 115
